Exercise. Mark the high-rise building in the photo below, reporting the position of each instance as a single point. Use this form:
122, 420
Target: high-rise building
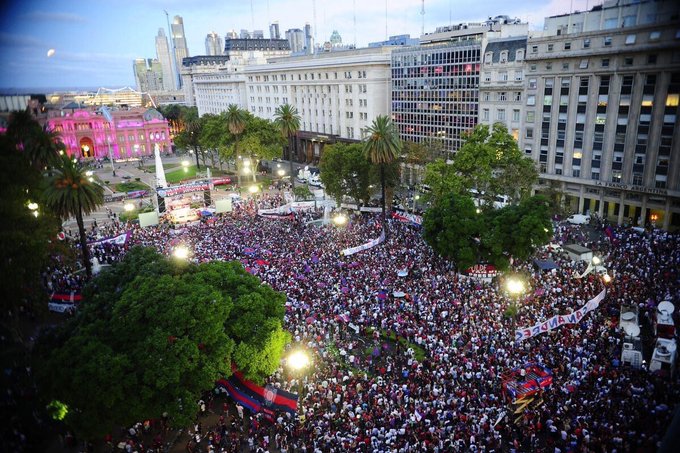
231, 35
213, 44
165, 60
148, 75
179, 44
296, 38
309, 40
603, 90
435, 86
274, 32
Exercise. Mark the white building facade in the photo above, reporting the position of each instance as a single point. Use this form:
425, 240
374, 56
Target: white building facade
337, 95
212, 83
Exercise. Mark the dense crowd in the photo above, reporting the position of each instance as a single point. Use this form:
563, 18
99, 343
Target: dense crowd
369, 389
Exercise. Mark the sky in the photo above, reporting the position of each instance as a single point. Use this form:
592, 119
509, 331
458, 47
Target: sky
96, 41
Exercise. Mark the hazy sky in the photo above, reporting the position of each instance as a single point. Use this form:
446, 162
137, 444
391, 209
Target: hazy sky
96, 40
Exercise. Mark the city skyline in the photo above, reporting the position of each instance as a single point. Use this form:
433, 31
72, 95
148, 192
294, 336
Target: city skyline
91, 53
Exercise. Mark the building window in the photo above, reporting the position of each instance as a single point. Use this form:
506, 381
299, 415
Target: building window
586, 43
519, 55
518, 96
567, 46
502, 96
550, 47
503, 77
529, 133
583, 64
518, 76
651, 58
630, 39
487, 96
548, 66
532, 84
605, 62
531, 115
532, 67
654, 36
488, 57
485, 114
487, 77
504, 56
534, 49
628, 61
607, 40
565, 66
515, 116
531, 99
501, 114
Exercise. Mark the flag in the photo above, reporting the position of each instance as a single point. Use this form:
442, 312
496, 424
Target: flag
65, 298
276, 399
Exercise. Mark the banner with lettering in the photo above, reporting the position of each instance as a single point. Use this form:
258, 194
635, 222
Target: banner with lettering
560, 320
120, 239
366, 246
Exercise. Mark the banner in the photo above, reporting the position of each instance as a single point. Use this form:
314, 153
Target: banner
61, 308
255, 397
407, 217
366, 246
121, 239
283, 209
65, 298
560, 320
277, 216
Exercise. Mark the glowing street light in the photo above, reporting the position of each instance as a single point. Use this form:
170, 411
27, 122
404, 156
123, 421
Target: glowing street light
253, 189
129, 207
185, 165
515, 286
340, 219
281, 172
298, 360
33, 207
607, 278
594, 262
181, 252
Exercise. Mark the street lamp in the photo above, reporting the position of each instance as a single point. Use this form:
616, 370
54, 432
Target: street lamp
281, 172
33, 207
129, 207
515, 286
594, 262
415, 198
340, 219
253, 189
298, 361
185, 165
181, 252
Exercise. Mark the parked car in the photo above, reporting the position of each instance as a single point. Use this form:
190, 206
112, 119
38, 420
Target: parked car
578, 219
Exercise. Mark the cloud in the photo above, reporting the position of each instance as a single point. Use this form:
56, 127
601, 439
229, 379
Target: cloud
46, 16
20, 41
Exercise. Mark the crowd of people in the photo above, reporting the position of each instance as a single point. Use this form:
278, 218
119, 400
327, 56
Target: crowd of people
408, 354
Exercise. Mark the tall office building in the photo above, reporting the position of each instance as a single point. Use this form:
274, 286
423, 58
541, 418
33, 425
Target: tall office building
148, 75
435, 86
179, 43
165, 60
274, 32
603, 89
213, 44
255, 34
296, 39
309, 40
231, 35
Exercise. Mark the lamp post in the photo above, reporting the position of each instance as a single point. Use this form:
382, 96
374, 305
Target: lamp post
185, 166
129, 207
415, 198
33, 207
181, 252
515, 287
340, 220
594, 262
298, 361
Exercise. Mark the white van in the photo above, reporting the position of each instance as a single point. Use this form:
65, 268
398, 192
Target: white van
578, 219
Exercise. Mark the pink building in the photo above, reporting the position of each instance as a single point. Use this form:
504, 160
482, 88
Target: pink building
133, 134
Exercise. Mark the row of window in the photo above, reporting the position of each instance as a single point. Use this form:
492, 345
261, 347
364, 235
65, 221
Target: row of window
503, 57
606, 42
307, 76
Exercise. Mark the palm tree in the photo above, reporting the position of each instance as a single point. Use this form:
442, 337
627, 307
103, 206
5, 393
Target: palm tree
236, 122
382, 147
288, 121
40, 144
69, 192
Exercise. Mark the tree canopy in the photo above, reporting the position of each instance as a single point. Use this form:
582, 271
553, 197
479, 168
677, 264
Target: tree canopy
152, 334
490, 162
457, 230
345, 171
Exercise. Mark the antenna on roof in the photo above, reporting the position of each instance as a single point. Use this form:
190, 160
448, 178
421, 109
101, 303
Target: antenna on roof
422, 15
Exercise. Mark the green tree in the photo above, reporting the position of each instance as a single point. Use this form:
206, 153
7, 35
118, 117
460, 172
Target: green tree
516, 230
215, 138
287, 120
40, 144
490, 162
302, 193
345, 171
452, 228
69, 193
382, 148
236, 123
25, 240
163, 331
